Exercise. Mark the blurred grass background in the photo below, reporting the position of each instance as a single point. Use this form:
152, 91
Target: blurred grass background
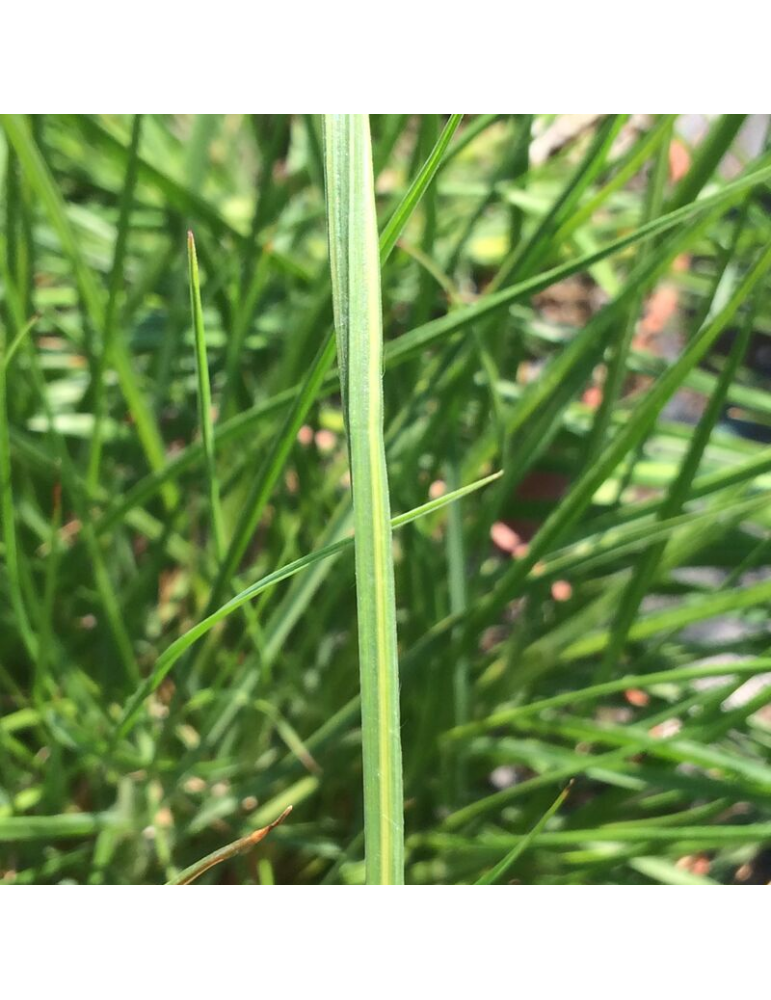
579, 301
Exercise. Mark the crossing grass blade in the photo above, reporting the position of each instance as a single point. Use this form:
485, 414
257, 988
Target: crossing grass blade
683, 675
302, 399
504, 866
17, 341
172, 654
417, 188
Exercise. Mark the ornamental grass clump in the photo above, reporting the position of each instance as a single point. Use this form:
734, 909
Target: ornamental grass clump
231, 347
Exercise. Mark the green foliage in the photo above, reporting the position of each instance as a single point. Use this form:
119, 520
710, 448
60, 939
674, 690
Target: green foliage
188, 645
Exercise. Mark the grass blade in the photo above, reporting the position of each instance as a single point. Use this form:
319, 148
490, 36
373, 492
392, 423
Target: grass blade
500, 870
682, 675
239, 846
17, 341
709, 154
204, 400
355, 262
111, 310
417, 189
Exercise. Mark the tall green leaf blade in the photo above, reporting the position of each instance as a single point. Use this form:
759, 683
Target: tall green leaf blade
355, 266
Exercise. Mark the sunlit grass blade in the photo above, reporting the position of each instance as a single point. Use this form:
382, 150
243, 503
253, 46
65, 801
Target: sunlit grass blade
687, 613
302, 399
596, 551
697, 837
355, 260
188, 203
667, 873
48, 828
752, 774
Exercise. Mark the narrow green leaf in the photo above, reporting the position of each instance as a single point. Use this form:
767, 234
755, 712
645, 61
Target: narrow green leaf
395, 225
111, 309
355, 265
19, 828
678, 617
204, 400
682, 675
661, 870
707, 158
500, 870
17, 341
